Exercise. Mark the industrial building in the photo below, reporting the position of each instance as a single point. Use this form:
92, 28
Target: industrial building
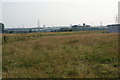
1, 27
84, 25
22, 30
114, 28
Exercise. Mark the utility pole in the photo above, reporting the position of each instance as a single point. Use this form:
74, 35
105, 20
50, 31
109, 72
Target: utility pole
44, 26
91, 23
116, 19
101, 23
38, 23
119, 12
22, 26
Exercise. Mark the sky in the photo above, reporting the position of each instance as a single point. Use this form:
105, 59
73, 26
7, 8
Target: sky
25, 13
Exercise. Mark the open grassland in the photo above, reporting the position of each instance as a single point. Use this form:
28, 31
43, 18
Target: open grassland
84, 54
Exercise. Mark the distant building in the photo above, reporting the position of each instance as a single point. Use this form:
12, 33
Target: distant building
22, 30
84, 25
74, 26
1, 27
114, 28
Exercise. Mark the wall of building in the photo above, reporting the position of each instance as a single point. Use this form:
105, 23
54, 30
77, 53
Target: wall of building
1, 28
114, 28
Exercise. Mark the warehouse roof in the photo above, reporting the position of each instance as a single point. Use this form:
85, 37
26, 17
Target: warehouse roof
114, 25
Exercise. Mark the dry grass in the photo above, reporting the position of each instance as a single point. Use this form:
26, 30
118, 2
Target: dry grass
75, 55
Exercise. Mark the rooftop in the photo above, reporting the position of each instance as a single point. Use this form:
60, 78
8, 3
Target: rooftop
114, 25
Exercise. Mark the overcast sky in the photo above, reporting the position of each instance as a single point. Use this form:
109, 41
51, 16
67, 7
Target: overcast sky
25, 13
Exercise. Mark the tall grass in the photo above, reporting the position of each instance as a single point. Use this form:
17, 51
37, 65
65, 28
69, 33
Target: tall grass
86, 55
28, 36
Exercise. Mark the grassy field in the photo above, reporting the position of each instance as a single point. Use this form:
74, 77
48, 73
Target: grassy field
87, 54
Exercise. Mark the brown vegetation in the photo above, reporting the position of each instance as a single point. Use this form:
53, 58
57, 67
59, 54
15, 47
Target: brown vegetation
75, 55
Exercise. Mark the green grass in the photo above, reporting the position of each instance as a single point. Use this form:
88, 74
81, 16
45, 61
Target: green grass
62, 55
